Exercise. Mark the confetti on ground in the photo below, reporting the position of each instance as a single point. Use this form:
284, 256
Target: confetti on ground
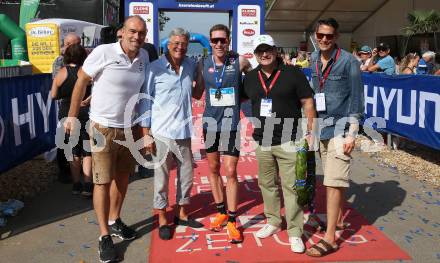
85, 246
60, 241
381, 228
61, 225
71, 253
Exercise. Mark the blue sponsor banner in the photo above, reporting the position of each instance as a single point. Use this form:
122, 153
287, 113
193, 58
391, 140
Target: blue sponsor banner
409, 104
27, 119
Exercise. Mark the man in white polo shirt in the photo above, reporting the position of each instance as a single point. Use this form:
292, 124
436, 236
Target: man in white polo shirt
118, 73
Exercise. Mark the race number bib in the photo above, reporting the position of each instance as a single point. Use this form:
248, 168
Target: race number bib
222, 97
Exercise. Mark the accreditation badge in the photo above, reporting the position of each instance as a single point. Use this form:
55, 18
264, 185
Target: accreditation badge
320, 102
266, 108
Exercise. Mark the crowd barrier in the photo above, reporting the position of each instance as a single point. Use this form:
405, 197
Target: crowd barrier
410, 106
27, 119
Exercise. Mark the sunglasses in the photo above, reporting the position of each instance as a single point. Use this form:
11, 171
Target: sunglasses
264, 48
382, 49
215, 40
322, 35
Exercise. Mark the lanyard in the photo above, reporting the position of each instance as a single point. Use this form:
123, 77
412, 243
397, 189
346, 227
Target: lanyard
272, 83
327, 71
218, 81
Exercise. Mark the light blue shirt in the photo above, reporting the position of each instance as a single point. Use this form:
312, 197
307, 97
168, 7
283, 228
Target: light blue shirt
387, 65
167, 108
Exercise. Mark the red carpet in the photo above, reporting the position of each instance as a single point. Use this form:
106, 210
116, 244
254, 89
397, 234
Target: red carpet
360, 241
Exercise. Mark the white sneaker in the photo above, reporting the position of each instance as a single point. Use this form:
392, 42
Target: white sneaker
267, 230
296, 244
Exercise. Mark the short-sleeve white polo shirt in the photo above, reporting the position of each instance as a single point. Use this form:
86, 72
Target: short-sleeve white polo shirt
116, 80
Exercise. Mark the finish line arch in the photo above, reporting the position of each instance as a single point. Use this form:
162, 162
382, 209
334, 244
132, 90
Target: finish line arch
247, 17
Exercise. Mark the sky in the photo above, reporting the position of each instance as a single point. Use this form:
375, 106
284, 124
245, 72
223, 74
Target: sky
195, 22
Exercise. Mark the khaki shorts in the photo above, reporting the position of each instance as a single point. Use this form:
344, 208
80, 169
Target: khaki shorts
108, 157
335, 163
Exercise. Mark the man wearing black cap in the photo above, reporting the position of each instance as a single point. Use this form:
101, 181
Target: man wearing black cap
277, 92
382, 61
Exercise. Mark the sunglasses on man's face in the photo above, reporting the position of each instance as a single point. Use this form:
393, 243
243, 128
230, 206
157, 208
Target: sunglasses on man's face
322, 35
215, 40
264, 48
383, 49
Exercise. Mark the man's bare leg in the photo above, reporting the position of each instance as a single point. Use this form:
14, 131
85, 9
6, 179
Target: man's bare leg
118, 189
232, 182
101, 203
334, 200
214, 177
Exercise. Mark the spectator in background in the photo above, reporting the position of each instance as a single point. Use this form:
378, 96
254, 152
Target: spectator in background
437, 64
426, 64
301, 60
286, 59
63, 166
62, 88
293, 55
364, 56
381, 60
409, 64
69, 39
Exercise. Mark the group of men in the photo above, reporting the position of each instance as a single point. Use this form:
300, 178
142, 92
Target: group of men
278, 94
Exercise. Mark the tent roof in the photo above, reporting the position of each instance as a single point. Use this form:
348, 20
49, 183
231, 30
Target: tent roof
301, 15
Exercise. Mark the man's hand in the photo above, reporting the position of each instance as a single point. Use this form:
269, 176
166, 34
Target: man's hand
86, 102
310, 140
149, 145
69, 124
349, 143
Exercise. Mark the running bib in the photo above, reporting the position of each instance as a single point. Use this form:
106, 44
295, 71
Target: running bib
222, 97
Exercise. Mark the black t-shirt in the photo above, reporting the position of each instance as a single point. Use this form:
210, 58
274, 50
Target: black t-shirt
286, 95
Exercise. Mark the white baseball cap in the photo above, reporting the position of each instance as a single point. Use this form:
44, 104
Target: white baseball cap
263, 39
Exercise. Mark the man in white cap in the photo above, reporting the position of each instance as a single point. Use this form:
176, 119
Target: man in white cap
277, 92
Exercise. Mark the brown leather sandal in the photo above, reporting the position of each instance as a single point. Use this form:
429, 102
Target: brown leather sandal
322, 251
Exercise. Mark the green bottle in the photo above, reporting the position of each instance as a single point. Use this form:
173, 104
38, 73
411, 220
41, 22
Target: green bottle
305, 175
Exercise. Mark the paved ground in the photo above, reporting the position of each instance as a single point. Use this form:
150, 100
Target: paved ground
59, 227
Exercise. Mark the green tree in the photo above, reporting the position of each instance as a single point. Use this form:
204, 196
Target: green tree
424, 23
268, 3
163, 19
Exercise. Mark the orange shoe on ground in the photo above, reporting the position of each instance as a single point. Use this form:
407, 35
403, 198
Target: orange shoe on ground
219, 222
234, 235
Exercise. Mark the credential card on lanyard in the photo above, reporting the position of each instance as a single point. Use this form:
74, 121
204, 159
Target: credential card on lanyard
266, 108
320, 101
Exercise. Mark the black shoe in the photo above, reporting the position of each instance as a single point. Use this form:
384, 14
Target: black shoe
121, 230
77, 188
107, 252
189, 222
165, 232
87, 191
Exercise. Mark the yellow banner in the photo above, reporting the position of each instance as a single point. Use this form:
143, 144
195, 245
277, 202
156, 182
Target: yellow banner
43, 44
